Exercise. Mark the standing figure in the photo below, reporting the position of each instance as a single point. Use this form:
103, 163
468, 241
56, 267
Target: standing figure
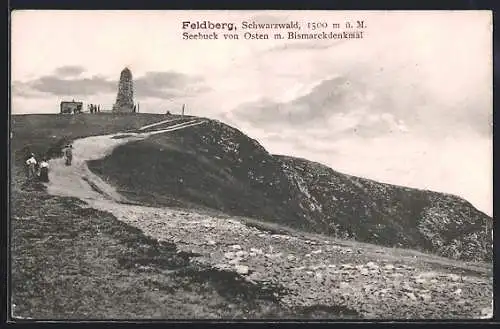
68, 154
31, 167
44, 171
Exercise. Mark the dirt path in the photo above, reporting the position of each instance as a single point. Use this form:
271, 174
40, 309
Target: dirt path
376, 282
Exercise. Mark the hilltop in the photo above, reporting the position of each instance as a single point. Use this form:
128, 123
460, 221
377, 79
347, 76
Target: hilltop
215, 166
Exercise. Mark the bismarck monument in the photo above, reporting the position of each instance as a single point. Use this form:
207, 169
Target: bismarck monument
125, 97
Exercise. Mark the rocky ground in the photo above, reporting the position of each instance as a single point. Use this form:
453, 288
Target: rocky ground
373, 284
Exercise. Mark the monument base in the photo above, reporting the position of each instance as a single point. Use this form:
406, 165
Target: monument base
123, 108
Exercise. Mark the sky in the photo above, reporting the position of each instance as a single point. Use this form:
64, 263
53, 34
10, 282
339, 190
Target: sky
409, 104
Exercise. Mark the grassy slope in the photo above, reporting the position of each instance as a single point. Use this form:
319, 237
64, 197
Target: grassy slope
207, 165
398, 216
71, 262
218, 167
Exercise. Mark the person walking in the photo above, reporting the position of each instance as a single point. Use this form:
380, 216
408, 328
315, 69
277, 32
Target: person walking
31, 167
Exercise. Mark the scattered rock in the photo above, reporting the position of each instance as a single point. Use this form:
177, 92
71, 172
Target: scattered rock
236, 247
223, 266
411, 295
487, 313
317, 267
454, 277
425, 297
372, 265
257, 251
241, 253
241, 269
229, 254
458, 291
364, 271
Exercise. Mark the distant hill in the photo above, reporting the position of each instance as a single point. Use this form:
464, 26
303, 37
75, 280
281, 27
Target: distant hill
218, 167
390, 215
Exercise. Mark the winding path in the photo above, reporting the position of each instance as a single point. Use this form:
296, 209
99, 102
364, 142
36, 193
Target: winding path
78, 181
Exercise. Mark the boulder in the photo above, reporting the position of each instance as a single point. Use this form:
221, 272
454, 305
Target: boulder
241, 269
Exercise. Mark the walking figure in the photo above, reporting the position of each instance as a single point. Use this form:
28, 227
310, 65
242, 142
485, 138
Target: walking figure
31, 167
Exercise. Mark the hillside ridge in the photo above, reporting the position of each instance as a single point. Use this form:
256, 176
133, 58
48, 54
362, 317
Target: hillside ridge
218, 167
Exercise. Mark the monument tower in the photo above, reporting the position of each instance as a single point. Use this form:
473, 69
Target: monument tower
125, 97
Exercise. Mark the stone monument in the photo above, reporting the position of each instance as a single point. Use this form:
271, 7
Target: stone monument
125, 97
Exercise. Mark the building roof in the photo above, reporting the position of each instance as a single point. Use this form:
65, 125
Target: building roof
71, 102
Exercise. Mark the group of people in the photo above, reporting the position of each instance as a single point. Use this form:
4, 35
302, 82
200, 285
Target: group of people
37, 170
94, 108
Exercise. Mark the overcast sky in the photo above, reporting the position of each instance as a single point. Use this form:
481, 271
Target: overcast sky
409, 104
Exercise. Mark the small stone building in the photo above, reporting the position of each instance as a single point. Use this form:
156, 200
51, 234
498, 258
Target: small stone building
71, 107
